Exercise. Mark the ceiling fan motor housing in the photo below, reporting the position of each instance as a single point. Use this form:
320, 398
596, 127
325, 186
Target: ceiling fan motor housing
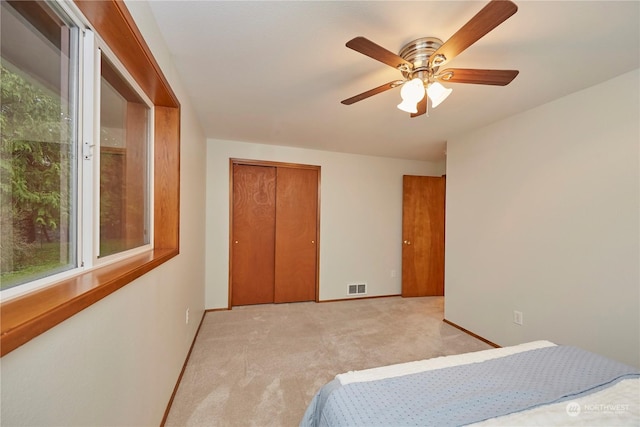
418, 53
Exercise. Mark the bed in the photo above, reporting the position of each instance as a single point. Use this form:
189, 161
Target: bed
536, 383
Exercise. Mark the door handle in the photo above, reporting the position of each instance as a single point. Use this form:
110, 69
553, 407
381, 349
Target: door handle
407, 242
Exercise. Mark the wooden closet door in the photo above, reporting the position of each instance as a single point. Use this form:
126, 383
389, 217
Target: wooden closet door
253, 242
423, 199
296, 234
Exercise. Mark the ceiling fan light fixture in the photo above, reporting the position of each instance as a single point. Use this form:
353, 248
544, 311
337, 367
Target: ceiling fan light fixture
412, 92
437, 93
423, 57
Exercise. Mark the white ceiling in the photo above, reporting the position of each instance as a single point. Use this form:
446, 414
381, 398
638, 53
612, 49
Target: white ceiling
274, 72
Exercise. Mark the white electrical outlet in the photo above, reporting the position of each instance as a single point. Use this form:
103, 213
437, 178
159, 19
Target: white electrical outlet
517, 317
186, 317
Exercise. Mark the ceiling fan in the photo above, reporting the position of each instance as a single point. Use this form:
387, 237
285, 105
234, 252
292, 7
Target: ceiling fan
420, 60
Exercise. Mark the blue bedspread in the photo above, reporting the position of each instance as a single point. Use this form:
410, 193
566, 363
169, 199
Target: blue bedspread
469, 393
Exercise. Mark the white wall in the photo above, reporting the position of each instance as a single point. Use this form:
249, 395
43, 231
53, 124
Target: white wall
116, 362
543, 217
360, 216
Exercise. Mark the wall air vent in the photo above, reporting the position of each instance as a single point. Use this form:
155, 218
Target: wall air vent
356, 289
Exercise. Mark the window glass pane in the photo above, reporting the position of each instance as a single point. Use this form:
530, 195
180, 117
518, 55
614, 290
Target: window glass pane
37, 156
124, 159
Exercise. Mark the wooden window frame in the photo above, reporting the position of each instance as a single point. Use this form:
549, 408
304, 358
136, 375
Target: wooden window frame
24, 318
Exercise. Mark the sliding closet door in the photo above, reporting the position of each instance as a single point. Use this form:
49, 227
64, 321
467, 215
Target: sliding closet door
296, 234
253, 234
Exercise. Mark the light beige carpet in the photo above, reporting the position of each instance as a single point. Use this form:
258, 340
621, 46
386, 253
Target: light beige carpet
261, 365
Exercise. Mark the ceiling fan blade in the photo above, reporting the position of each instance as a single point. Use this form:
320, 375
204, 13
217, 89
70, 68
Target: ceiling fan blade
422, 107
479, 77
372, 50
371, 92
492, 15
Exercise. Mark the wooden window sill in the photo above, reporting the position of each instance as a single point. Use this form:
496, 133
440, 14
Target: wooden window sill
26, 317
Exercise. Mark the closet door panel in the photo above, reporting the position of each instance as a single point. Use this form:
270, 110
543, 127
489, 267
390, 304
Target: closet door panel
296, 234
253, 241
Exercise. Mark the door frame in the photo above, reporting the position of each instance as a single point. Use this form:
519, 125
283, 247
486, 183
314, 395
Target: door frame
267, 163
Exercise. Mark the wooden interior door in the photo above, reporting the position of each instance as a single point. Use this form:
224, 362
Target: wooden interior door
423, 205
296, 234
253, 234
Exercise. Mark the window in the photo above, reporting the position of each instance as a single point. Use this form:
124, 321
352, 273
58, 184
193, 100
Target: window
44, 77
124, 128
38, 119
25, 317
